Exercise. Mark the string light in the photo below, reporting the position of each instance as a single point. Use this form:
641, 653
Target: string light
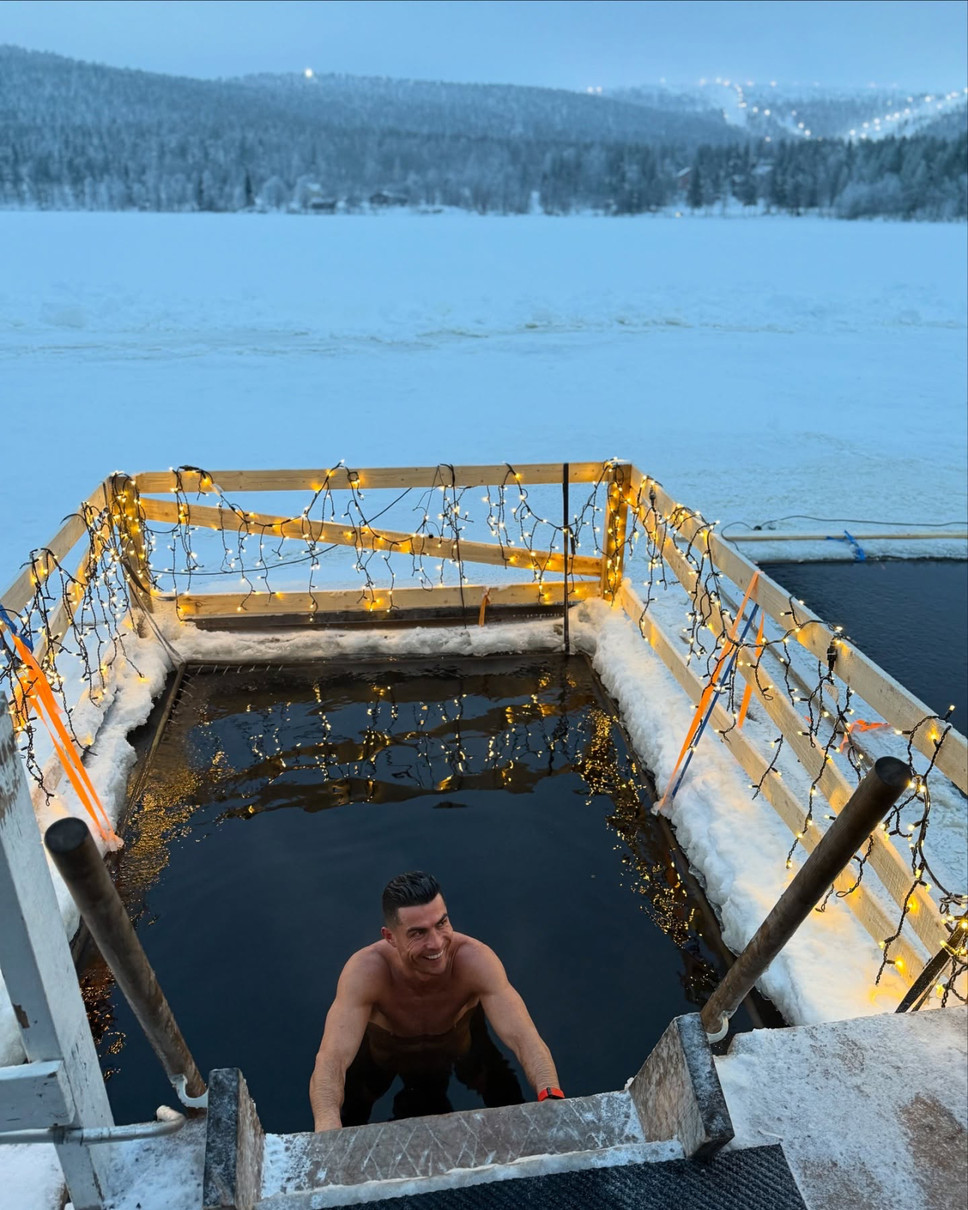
132, 556
831, 731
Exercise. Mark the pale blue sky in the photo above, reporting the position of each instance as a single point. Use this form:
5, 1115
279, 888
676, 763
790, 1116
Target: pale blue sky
554, 43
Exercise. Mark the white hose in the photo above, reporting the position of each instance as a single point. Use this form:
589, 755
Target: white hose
168, 1121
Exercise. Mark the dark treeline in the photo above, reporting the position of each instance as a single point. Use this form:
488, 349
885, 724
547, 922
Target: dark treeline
139, 167
78, 136
913, 178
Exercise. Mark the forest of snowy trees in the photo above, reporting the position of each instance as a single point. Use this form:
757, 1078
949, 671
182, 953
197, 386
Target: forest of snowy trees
76, 135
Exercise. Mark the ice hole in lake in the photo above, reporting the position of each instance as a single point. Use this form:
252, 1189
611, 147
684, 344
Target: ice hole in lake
272, 804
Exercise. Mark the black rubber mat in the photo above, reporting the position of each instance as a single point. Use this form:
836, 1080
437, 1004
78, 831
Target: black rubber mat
755, 1179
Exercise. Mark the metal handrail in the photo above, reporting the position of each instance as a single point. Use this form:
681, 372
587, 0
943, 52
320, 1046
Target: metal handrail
863, 811
75, 854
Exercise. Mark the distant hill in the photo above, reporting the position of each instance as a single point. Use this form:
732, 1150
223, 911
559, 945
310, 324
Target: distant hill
798, 112
481, 110
81, 135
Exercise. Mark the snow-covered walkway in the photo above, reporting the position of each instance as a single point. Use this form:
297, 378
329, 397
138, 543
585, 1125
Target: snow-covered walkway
870, 1112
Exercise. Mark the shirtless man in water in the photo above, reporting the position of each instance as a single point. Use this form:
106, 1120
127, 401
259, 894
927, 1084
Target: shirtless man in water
411, 1005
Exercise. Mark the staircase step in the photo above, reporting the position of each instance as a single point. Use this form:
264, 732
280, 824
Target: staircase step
431, 1146
754, 1179
466, 1181
673, 1108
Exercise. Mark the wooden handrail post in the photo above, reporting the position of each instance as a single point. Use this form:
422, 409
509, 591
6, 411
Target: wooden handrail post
567, 553
864, 810
75, 854
127, 517
618, 478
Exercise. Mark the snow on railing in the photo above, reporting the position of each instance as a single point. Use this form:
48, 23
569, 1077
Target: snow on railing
230, 548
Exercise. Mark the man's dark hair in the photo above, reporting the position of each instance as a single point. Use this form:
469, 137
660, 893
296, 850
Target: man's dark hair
413, 889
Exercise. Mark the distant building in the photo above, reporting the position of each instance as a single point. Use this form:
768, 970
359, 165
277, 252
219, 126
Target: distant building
383, 198
683, 177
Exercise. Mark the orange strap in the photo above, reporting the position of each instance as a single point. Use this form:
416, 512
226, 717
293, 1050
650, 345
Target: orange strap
859, 725
748, 691
38, 692
710, 688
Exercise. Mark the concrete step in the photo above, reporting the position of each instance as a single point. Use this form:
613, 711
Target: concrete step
754, 1179
674, 1108
367, 1163
454, 1180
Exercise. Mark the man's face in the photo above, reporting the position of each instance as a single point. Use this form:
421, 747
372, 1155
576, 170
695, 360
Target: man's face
422, 937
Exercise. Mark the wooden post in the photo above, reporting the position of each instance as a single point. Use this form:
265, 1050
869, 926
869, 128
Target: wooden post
949, 952
126, 515
616, 521
75, 854
40, 978
567, 552
868, 805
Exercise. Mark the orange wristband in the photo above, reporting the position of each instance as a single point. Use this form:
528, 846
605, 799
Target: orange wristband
555, 1093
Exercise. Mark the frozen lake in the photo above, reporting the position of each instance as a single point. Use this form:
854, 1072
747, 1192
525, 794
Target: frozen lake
757, 367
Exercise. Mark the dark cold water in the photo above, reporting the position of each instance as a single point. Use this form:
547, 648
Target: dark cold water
909, 615
280, 801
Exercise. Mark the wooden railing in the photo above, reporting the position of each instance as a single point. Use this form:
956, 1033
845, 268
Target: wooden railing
120, 521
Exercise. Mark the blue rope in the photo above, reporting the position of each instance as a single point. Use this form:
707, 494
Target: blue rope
16, 628
859, 553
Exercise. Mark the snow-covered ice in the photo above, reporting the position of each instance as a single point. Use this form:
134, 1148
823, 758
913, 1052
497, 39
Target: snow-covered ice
758, 368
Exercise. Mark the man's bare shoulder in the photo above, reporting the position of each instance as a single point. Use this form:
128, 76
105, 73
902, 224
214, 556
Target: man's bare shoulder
368, 968
477, 963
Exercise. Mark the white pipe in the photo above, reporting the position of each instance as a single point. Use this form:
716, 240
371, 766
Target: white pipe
169, 1121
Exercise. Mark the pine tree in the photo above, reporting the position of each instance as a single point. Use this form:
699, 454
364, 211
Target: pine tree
694, 195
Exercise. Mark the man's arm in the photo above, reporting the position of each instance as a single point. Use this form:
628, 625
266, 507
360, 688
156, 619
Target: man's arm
345, 1024
510, 1020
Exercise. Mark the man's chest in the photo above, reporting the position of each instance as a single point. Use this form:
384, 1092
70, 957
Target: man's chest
427, 1010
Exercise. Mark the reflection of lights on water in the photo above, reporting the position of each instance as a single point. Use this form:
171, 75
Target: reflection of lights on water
409, 748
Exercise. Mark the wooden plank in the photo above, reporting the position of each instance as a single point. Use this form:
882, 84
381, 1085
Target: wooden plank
21, 592
63, 615
392, 541
19, 595
879, 690
34, 1096
914, 536
211, 605
831, 783
127, 513
40, 977
341, 478
864, 905
885, 859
